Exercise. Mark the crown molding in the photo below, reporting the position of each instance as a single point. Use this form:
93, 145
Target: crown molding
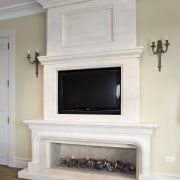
19, 10
54, 3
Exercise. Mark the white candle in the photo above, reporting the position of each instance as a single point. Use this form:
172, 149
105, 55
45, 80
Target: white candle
38, 50
167, 37
28, 51
153, 39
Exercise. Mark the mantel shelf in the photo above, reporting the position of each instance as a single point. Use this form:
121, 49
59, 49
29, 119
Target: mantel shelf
130, 128
67, 58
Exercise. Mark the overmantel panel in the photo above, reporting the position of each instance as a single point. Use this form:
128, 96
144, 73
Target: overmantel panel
91, 26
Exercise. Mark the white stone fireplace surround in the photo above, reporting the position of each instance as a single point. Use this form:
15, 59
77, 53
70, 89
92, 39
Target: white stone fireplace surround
44, 133
86, 34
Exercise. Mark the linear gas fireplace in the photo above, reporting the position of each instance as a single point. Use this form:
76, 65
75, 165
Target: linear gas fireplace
95, 159
91, 127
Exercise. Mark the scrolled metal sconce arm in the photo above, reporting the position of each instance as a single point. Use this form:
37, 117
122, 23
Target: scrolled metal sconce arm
158, 50
35, 61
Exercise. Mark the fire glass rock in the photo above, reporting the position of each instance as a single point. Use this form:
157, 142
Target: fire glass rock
101, 164
109, 167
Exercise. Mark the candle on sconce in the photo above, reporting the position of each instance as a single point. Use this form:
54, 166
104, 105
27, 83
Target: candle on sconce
159, 48
38, 51
167, 37
153, 39
35, 61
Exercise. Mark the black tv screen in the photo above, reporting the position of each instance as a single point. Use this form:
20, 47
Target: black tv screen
91, 91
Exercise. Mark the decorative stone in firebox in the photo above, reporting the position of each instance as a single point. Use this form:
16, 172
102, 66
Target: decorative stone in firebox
111, 159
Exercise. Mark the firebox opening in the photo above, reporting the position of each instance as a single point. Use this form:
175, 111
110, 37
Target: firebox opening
116, 161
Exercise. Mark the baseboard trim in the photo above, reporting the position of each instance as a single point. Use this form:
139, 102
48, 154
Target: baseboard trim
161, 176
19, 163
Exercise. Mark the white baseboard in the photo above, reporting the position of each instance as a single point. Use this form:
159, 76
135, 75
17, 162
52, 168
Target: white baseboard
159, 176
19, 163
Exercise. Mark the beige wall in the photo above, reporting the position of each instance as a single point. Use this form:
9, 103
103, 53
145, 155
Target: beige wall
30, 33
160, 91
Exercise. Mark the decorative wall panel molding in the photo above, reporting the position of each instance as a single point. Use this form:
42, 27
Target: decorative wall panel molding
94, 26
91, 26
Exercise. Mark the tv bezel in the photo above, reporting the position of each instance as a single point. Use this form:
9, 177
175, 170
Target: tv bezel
117, 111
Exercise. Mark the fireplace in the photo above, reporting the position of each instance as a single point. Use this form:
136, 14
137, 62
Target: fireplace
52, 139
84, 35
97, 159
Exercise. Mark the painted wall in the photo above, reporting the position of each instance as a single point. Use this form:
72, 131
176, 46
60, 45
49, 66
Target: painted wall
30, 33
160, 91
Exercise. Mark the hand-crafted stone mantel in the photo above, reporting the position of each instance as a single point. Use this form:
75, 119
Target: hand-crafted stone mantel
108, 135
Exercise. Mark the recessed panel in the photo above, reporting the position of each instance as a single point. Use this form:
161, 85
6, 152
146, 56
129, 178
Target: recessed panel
87, 27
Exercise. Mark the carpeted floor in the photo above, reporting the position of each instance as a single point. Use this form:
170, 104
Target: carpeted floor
7, 173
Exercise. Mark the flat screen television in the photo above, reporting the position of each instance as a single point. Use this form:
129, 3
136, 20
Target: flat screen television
89, 91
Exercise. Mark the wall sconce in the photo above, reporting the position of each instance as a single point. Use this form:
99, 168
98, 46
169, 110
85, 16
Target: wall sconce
159, 50
35, 61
